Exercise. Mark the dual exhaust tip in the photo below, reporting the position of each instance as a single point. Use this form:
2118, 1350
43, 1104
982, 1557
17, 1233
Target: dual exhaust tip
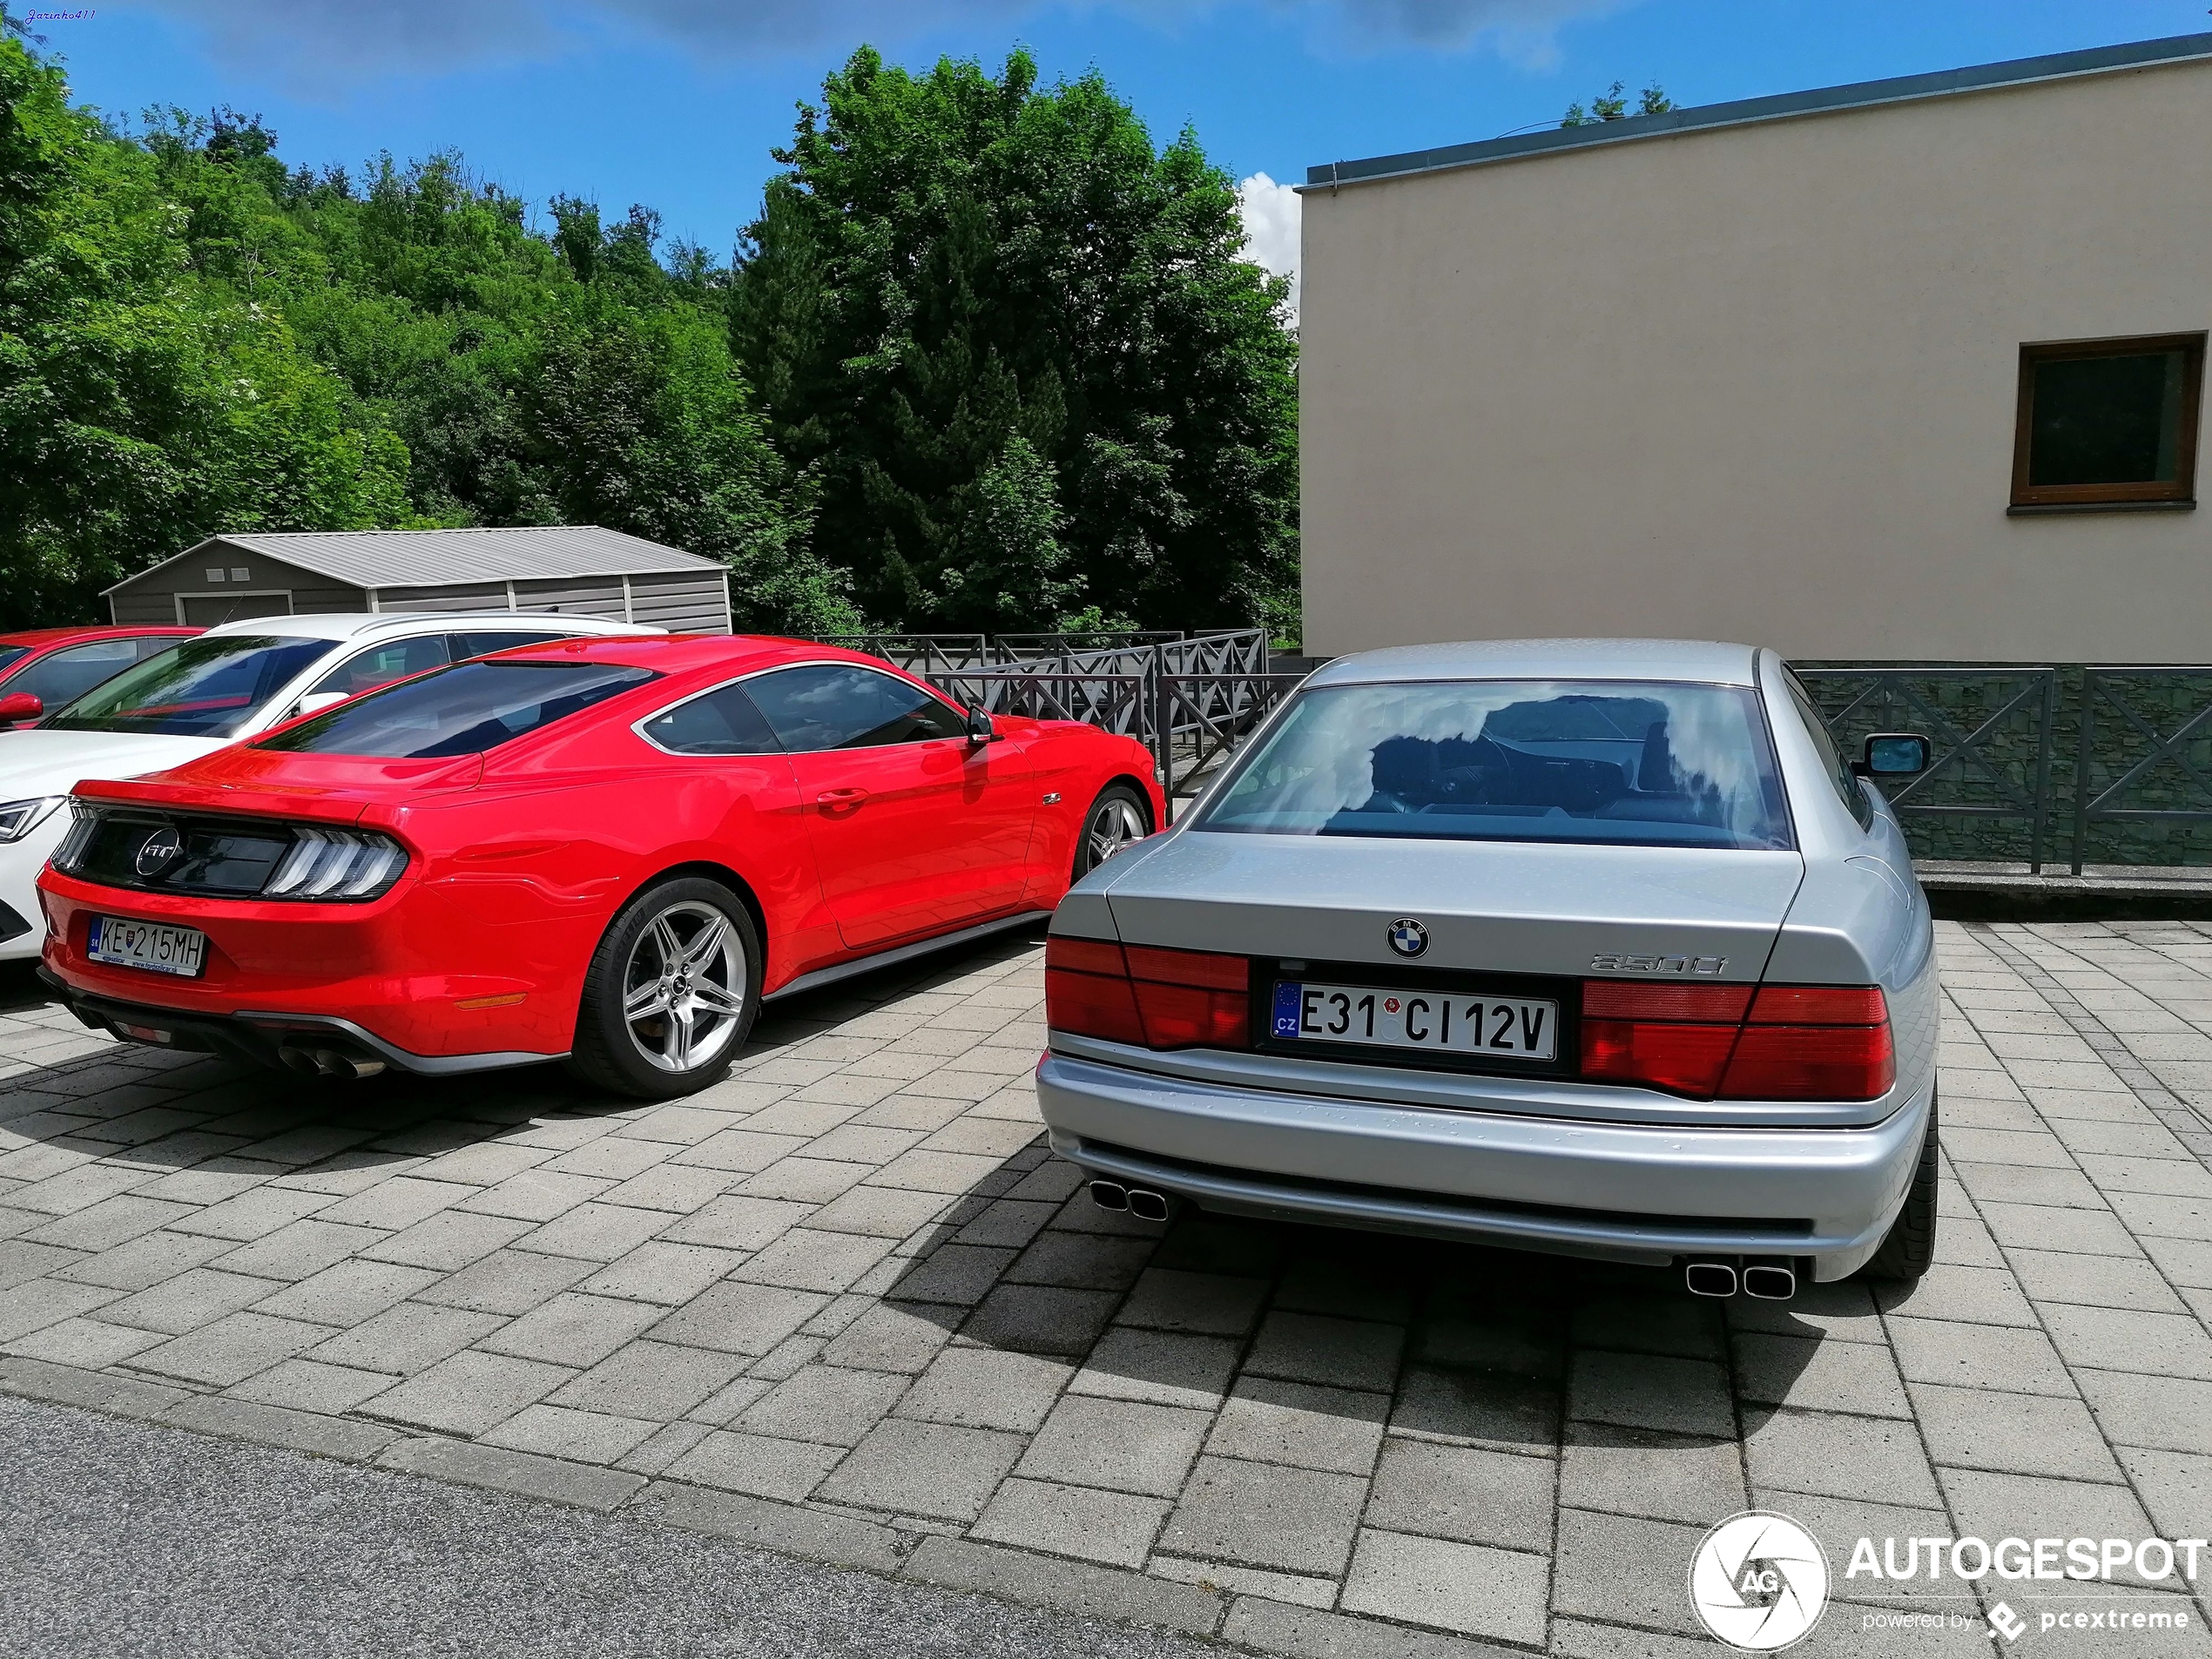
1768, 1280
328, 1062
1140, 1201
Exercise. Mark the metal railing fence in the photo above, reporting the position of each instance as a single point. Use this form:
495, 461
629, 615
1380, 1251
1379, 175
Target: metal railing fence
1966, 777
2144, 748
2021, 752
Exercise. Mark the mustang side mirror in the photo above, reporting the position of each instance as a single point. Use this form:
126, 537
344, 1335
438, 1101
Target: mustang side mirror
980, 729
18, 706
1895, 754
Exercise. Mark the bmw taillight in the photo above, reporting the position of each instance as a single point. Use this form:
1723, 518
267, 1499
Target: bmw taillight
1146, 996
1674, 1037
1785, 1042
1813, 1042
335, 864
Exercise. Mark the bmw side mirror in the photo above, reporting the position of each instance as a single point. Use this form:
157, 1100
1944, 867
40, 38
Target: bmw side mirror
1895, 754
980, 729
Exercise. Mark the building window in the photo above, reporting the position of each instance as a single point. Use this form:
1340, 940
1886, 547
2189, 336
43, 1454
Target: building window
2108, 423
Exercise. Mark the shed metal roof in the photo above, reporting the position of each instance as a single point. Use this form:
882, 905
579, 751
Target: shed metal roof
2096, 60
444, 558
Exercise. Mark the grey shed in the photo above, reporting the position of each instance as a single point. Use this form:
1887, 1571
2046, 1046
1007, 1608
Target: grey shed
577, 570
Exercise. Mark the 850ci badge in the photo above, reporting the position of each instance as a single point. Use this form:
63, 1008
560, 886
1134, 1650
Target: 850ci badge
1607, 962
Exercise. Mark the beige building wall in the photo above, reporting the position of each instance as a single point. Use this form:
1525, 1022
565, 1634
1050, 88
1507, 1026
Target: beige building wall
1753, 383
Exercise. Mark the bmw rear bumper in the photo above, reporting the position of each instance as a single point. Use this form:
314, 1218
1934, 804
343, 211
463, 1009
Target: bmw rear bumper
1623, 1192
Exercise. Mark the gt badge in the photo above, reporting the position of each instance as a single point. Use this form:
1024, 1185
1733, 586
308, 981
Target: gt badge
156, 851
1408, 937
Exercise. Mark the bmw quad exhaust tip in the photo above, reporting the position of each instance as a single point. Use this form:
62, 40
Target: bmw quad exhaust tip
1710, 1279
1769, 1281
1140, 1201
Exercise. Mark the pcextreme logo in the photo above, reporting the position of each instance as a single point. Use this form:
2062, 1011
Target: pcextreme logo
1759, 1581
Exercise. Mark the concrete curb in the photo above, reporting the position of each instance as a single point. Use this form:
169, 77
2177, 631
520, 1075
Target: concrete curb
1071, 1586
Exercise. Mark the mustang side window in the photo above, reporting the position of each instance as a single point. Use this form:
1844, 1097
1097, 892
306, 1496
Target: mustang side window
837, 705
723, 722
1840, 776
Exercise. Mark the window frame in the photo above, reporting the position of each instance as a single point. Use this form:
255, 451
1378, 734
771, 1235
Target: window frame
900, 680
639, 726
2178, 494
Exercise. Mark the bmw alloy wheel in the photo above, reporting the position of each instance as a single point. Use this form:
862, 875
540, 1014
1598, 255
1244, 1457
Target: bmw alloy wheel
684, 988
1115, 827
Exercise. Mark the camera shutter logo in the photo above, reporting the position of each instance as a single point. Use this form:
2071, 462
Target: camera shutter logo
1408, 937
156, 852
1759, 1581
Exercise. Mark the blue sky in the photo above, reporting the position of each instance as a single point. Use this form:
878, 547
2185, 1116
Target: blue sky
676, 102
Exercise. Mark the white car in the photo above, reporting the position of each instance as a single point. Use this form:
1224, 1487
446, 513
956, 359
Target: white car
231, 682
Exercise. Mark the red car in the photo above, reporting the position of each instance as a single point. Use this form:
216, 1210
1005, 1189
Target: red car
42, 668
605, 849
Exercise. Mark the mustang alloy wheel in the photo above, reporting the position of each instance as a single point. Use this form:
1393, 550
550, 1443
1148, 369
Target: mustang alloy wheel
671, 994
683, 991
1116, 822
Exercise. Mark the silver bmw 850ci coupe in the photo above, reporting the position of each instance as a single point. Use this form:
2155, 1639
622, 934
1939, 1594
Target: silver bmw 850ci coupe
1597, 946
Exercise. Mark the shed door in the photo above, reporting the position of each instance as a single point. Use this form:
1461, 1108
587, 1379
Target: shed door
206, 609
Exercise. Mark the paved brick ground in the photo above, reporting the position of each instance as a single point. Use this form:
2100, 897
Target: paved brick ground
846, 1305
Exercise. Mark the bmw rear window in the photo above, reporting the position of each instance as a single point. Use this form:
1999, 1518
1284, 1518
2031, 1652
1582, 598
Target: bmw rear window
461, 711
1655, 764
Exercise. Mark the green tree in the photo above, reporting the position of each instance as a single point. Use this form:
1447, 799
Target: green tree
1021, 351
141, 404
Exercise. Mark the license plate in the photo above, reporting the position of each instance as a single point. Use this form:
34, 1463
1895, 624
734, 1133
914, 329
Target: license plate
153, 946
1501, 1027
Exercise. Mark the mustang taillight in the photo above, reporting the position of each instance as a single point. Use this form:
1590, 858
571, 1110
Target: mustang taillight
336, 864
1785, 1042
1147, 997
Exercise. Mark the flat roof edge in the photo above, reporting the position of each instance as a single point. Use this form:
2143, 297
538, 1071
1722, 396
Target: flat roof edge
2095, 60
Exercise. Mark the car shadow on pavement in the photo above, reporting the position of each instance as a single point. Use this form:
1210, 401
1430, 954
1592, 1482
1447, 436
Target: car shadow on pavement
1305, 1338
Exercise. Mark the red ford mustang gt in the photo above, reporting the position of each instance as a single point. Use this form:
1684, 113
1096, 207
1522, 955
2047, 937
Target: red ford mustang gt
609, 850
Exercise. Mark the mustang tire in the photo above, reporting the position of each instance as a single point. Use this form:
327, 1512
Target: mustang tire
671, 993
1117, 819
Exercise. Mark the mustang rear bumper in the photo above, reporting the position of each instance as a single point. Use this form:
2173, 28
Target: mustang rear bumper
304, 1041
1623, 1192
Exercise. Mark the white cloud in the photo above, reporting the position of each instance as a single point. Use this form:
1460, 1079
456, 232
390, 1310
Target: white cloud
1271, 214
331, 43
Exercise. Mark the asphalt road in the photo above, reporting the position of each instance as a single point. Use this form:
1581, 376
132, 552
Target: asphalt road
117, 1538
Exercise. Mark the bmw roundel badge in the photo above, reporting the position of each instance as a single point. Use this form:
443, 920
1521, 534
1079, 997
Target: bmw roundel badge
1408, 937
156, 851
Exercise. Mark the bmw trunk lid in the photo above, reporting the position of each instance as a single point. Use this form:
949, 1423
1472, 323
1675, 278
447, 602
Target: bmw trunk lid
1482, 906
